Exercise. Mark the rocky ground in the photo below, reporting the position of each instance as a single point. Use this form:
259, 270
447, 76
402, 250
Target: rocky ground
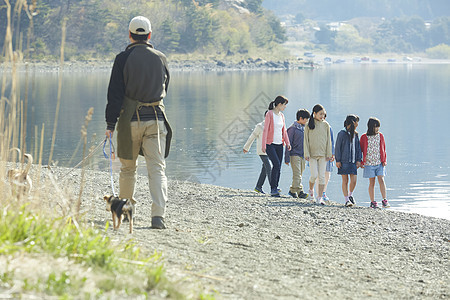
239, 244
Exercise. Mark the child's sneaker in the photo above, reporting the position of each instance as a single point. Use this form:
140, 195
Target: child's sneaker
293, 194
302, 195
320, 201
374, 204
274, 193
385, 203
259, 190
311, 198
325, 198
352, 201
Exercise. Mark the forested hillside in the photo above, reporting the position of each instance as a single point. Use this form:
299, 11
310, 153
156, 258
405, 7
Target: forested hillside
349, 9
99, 28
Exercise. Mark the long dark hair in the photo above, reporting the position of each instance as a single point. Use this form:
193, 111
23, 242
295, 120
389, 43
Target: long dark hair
315, 110
350, 120
278, 100
371, 124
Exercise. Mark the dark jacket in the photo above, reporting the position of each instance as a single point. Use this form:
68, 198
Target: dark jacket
295, 133
139, 75
344, 150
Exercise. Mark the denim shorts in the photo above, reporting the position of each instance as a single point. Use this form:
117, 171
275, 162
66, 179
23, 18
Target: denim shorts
348, 169
373, 171
330, 166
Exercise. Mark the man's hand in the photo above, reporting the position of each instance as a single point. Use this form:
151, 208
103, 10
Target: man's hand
109, 133
245, 151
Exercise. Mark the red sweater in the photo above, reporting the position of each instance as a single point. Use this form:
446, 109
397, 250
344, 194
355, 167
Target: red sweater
363, 142
267, 137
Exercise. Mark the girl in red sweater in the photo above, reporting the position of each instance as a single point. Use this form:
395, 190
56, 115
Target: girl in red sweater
373, 148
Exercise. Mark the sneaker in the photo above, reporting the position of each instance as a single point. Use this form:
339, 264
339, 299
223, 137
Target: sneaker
275, 193
320, 201
348, 204
259, 190
352, 201
279, 191
374, 204
310, 198
325, 198
302, 195
293, 195
385, 203
158, 223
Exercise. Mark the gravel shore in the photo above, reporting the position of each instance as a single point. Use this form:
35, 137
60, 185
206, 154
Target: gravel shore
238, 244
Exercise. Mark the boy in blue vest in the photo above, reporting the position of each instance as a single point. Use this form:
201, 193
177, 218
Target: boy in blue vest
295, 156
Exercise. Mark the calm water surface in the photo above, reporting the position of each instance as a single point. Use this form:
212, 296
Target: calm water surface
213, 113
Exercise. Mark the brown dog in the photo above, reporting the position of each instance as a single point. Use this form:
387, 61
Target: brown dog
19, 178
120, 208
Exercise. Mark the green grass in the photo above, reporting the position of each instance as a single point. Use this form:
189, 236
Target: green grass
93, 259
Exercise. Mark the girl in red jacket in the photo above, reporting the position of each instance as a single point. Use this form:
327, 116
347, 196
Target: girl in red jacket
373, 148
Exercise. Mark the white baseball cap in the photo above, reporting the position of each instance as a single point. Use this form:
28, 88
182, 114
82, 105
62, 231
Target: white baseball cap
140, 25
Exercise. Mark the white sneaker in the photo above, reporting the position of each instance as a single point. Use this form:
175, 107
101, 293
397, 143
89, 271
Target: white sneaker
320, 201
310, 198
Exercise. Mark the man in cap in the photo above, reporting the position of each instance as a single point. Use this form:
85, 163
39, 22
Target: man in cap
138, 84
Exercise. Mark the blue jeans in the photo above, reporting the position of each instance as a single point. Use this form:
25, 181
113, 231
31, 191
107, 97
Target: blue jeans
265, 171
275, 154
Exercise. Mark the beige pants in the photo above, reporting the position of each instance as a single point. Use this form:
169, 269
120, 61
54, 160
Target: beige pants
298, 166
318, 166
144, 135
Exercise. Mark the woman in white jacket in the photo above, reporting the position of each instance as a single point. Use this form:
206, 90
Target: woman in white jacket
266, 169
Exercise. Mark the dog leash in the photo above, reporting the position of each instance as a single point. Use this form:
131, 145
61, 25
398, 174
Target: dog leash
111, 157
83, 160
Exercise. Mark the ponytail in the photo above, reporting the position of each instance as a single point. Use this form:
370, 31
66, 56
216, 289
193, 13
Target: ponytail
350, 120
278, 100
315, 110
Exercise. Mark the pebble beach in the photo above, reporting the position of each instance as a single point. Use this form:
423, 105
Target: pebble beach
237, 244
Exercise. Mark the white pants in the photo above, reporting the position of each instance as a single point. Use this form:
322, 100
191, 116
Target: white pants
318, 166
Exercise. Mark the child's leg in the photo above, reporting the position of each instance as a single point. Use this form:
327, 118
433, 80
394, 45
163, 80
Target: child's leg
345, 184
313, 167
327, 178
372, 189
296, 176
322, 166
302, 169
353, 179
265, 171
382, 185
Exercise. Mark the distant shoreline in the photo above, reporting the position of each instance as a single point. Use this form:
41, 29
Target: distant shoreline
249, 64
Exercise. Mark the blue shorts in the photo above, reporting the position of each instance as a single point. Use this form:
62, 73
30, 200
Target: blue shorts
329, 166
373, 171
348, 169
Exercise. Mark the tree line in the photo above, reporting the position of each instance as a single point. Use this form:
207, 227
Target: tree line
397, 35
99, 28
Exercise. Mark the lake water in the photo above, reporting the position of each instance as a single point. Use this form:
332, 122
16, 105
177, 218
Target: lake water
213, 113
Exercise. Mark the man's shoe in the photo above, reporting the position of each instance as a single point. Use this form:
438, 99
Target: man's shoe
259, 190
293, 195
302, 195
158, 223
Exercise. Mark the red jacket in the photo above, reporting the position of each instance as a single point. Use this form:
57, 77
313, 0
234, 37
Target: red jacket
267, 137
363, 142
